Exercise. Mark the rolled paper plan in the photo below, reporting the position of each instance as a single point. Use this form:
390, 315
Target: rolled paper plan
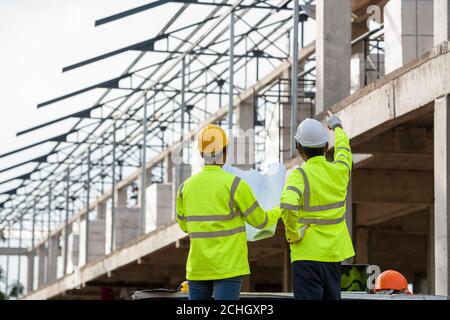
267, 188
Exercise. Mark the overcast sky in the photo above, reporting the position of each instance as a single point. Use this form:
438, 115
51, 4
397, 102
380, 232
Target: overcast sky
38, 38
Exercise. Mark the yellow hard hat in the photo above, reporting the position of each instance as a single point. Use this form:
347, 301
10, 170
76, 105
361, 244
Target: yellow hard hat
212, 140
183, 287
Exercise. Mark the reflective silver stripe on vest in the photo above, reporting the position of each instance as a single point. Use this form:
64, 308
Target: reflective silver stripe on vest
216, 234
288, 206
343, 155
262, 225
342, 163
295, 189
233, 189
180, 217
251, 209
321, 221
211, 218
307, 197
343, 148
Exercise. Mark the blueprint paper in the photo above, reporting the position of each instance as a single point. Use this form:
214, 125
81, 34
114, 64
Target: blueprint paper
267, 189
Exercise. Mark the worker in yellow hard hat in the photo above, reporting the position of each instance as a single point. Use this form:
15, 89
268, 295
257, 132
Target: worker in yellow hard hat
212, 207
313, 206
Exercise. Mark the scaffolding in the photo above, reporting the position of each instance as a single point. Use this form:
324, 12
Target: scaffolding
186, 75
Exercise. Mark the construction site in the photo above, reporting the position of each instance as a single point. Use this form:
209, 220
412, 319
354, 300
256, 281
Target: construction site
88, 212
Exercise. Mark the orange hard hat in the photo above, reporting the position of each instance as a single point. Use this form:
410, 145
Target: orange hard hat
212, 140
391, 280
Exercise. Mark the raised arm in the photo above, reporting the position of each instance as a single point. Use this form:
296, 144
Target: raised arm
342, 150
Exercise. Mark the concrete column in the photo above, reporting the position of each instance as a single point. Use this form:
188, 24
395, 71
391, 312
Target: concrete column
362, 245
442, 195
122, 197
30, 270
430, 251
245, 114
143, 188
159, 211
304, 111
42, 270
73, 252
408, 26
333, 51
126, 227
101, 210
148, 182
441, 21
61, 251
243, 145
168, 164
285, 118
97, 234
53, 254
180, 173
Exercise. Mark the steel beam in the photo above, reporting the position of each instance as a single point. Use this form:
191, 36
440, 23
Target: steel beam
294, 77
30, 276
158, 3
14, 251
7, 260
231, 80
19, 258
66, 220
113, 188
111, 84
88, 200
143, 167
49, 235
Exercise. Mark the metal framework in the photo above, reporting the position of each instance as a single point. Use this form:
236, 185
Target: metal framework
150, 106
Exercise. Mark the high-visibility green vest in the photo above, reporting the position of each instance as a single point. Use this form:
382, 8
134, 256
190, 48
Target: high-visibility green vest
313, 206
213, 206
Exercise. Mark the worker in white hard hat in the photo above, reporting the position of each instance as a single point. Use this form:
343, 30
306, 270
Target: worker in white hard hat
313, 207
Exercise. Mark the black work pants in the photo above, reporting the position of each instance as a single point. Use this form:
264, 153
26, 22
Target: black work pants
314, 280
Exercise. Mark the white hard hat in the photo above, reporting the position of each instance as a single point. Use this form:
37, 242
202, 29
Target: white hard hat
311, 134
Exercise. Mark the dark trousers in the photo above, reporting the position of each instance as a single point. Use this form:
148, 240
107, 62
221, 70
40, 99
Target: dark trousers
314, 280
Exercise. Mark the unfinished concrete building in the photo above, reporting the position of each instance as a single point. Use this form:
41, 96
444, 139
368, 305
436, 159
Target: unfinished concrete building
382, 65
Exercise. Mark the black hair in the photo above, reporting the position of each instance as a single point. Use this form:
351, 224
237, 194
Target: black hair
214, 158
314, 152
